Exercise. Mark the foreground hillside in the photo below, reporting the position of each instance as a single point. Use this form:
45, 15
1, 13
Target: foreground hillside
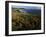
25, 21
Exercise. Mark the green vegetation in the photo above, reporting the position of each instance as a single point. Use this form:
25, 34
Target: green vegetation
25, 21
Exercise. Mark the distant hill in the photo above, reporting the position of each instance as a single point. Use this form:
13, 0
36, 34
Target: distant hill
32, 11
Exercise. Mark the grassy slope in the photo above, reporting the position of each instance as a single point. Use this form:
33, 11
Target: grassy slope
25, 21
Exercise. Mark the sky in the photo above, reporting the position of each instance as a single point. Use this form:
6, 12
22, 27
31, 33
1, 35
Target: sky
26, 7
